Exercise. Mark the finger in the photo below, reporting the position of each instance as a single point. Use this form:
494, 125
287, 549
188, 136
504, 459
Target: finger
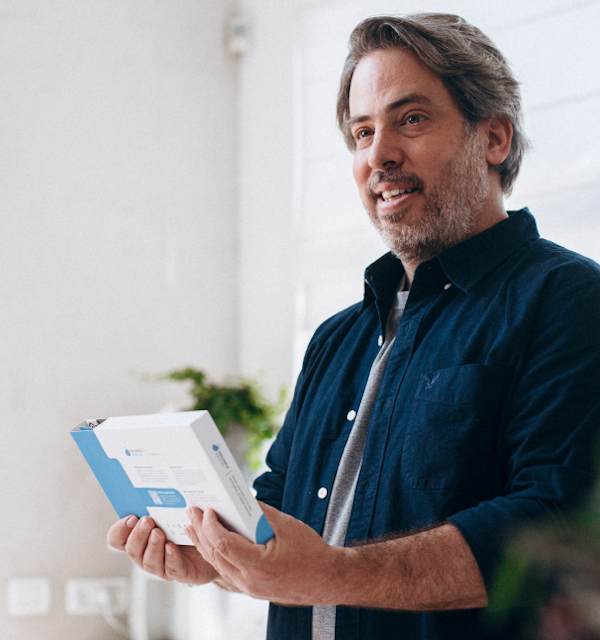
119, 533
195, 515
275, 517
190, 532
211, 527
231, 547
267, 508
225, 569
184, 564
282, 523
137, 541
230, 573
174, 565
153, 560
195, 533
230, 554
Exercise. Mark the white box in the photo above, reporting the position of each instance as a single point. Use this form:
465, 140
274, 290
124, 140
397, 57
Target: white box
156, 465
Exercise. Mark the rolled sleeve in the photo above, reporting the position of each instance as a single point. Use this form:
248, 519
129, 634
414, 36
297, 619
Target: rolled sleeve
552, 424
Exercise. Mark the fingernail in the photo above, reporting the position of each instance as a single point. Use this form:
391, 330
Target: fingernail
131, 522
169, 550
154, 537
190, 512
144, 525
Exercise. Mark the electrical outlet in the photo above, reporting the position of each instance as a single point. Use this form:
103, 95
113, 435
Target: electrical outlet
91, 596
28, 596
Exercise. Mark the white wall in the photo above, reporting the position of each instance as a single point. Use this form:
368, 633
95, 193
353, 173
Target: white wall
118, 251
555, 53
267, 249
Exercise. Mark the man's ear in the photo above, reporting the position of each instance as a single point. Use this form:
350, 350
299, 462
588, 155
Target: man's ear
498, 133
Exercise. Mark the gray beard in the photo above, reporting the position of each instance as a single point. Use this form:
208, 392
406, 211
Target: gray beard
451, 211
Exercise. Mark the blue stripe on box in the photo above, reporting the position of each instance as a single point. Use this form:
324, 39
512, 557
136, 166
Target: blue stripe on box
124, 497
117, 486
263, 530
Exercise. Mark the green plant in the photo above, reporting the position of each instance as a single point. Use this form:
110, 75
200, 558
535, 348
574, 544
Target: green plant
548, 582
238, 401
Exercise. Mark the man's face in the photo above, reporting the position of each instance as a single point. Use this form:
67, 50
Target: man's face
420, 169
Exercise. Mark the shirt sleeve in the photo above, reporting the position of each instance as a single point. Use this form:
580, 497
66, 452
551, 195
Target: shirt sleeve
553, 415
271, 484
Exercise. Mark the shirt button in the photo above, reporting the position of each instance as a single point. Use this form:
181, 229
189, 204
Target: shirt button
351, 415
380, 341
322, 493
447, 286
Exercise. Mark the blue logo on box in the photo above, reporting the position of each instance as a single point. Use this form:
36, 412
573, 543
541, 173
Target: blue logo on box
220, 457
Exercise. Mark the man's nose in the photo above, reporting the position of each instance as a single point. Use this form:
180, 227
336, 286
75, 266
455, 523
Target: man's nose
385, 151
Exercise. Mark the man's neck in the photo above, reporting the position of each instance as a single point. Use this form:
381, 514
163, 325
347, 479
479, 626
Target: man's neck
492, 216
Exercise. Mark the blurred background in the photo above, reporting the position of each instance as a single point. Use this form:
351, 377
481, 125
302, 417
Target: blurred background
173, 191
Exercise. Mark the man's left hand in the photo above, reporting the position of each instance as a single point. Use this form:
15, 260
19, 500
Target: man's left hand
295, 567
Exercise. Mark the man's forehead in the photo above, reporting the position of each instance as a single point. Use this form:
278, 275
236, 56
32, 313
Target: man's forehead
390, 78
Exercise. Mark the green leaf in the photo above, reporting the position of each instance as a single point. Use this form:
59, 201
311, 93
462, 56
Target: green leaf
508, 585
238, 401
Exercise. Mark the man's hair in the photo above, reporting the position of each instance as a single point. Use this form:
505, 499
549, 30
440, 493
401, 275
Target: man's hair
471, 67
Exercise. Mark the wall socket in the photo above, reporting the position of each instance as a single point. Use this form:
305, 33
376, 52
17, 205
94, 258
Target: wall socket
92, 596
28, 596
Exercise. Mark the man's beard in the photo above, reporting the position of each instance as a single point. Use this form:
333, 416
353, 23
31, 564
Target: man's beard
451, 210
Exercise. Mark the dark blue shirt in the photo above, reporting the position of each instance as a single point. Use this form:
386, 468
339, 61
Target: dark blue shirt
486, 414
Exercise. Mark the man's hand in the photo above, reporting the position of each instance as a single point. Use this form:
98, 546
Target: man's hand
146, 545
432, 570
295, 567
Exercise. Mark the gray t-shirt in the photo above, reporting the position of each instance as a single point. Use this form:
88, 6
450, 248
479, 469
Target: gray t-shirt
344, 485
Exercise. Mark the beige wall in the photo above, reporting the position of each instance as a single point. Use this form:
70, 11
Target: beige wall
117, 255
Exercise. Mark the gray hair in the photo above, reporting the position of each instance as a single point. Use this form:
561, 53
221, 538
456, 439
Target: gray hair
469, 64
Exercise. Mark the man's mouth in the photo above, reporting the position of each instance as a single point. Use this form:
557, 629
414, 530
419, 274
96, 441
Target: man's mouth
395, 193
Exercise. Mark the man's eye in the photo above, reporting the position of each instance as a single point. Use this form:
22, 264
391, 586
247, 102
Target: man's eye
362, 133
414, 119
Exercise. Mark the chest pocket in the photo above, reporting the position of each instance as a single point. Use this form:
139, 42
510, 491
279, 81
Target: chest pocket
452, 428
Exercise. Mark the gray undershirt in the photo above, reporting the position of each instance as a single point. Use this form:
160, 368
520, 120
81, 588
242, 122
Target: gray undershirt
344, 485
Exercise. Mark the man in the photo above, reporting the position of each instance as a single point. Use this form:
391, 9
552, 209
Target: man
455, 403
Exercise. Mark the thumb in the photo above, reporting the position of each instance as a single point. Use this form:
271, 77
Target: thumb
277, 519
269, 511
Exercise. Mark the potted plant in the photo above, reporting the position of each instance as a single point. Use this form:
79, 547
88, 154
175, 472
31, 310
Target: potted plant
239, 409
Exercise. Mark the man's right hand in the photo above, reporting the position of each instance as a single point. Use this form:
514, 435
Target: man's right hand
146, 545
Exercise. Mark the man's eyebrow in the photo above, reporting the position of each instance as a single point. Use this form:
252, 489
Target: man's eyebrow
411, 97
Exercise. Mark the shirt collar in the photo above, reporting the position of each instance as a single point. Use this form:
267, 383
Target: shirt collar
382, 278
470, 261
464, 264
